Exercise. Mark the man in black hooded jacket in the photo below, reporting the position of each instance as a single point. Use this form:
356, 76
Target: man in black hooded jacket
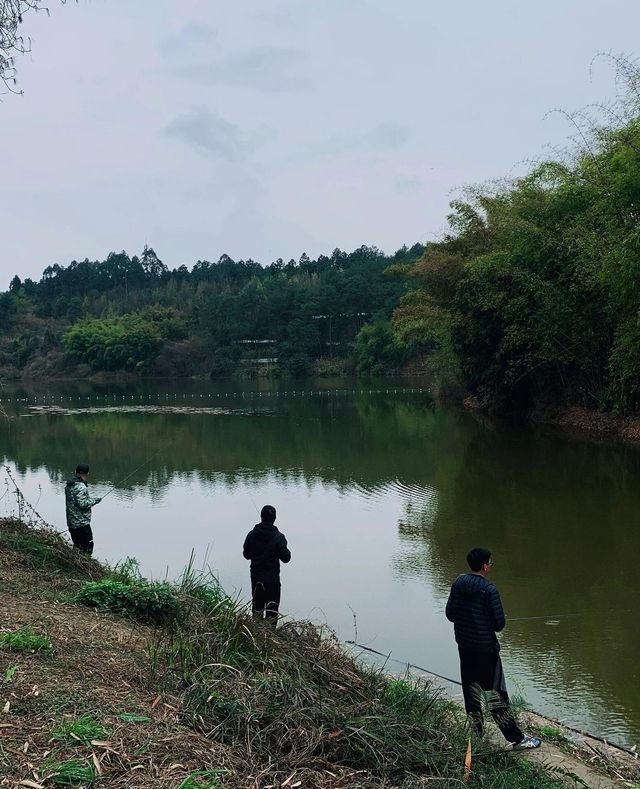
475, 608
266, 547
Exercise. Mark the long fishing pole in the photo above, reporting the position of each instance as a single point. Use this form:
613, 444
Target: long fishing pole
404, 662
135, 471
435, 673
531, 618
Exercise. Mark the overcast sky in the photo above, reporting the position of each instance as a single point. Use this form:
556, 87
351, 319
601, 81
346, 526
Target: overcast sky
268, 128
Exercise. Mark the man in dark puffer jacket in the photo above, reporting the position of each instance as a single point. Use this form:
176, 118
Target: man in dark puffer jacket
266, 547
475, 608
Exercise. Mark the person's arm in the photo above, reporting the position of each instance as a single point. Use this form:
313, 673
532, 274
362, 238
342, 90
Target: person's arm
246, 548
84, 500
495, 610
284, 554
450, 610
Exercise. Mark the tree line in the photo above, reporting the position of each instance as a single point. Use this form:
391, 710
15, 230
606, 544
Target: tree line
135, 314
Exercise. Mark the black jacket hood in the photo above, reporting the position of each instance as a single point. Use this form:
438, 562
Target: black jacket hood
263, 532
468, 585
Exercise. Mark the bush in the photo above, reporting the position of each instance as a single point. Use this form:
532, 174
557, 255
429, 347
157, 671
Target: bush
146, 601
121, 343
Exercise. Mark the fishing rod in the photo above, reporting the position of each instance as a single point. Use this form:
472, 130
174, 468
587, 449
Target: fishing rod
404, 662
531, 618
135, 471
435, 673
255, 506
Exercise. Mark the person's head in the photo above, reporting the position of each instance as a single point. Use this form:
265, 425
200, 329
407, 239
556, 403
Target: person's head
268, 514
82, 469
479, 560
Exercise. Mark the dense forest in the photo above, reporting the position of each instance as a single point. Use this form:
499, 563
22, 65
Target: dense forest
533, 298
133, 314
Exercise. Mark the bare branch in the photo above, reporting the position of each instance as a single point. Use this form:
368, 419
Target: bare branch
12, 43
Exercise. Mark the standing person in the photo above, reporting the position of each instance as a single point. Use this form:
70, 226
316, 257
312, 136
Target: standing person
266, 547
475, 608
78, 508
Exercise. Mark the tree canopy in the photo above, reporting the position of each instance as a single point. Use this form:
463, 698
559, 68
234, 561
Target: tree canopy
533, 296
134, 313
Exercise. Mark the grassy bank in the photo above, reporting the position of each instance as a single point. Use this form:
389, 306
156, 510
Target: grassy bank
110, 680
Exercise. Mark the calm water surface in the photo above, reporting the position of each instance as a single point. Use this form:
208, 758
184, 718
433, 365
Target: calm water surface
380, 494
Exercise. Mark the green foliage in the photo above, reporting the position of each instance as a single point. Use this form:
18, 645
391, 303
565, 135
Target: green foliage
34, 550
7, 310
73, 772
376, 349
132, 717
8, 674
146, 601
121, 343
134, 314
25, 640
127, 571
82, 729
202, 779
552, 734
505, 772
533, 295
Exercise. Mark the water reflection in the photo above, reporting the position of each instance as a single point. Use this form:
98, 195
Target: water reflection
380, 495
560, 516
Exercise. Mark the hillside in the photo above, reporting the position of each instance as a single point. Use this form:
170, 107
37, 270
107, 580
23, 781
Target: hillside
134, 315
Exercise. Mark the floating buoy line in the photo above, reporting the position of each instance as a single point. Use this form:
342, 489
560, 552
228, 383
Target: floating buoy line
184, 396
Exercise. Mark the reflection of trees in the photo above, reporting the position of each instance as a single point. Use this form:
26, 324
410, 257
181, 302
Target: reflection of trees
561, 518
366, 441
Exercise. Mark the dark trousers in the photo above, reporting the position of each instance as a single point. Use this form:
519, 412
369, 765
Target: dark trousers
480, 671
82, 539
266, 599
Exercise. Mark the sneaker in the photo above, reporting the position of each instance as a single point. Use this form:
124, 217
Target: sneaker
527, 742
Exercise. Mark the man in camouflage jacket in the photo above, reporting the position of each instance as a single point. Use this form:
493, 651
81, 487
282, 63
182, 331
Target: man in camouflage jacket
78, 508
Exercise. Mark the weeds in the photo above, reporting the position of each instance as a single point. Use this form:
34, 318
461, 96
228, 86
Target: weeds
202, 779
8, 674
145, 601
82, 729
133, 717
552, 734
74, 772
25, 640
292, 699
505, 772
45, 550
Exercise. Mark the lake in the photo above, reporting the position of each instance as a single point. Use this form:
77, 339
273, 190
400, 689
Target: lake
380, 492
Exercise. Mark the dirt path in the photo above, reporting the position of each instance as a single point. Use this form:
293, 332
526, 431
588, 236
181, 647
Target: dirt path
592, 761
